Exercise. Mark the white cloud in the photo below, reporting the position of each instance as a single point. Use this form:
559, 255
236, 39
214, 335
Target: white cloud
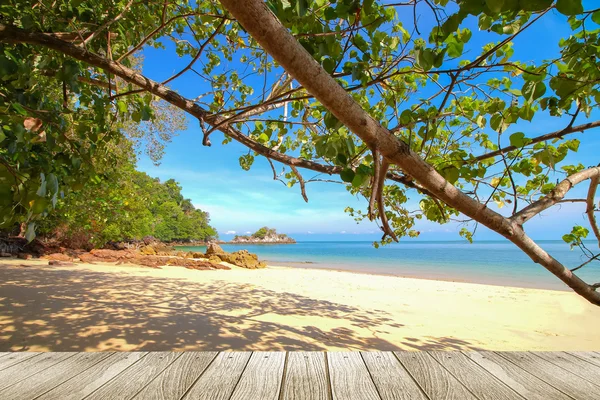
248, 232
343, 232
230, 233
309, 232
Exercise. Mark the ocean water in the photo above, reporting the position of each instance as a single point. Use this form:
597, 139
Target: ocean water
487, 262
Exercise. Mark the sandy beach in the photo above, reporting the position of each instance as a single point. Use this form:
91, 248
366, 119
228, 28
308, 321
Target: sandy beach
98, 307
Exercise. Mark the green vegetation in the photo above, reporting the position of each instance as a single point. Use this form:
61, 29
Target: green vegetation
395, 100
261, 234
127, 205
124, 204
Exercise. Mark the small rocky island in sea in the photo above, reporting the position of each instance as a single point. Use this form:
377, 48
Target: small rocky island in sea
264, 235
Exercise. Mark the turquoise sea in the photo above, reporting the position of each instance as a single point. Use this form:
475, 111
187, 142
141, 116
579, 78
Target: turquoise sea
488, 262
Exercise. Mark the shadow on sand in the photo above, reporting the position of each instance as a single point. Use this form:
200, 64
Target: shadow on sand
67, 310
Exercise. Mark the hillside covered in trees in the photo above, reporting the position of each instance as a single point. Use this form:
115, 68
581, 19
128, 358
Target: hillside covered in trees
264, 235
128, 205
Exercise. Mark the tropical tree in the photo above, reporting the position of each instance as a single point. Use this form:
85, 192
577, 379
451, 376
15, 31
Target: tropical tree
401, 101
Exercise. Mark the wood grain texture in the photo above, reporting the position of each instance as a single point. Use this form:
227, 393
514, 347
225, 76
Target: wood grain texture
49, 378
32, 365
135, 378
262, 377
11, 359
94, 377
306, 377
174, 381
588, 356
391, 378
566, 361
350, 379
521, 381
435, 381
220, 378
476, 379
554, 375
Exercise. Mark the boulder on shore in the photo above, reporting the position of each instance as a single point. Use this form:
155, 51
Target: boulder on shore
242, 258
213, 248
58, 257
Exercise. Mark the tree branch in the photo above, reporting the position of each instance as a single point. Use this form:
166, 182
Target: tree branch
591, 206
555, 196
267, 30
542, 138
301, 181
107, 24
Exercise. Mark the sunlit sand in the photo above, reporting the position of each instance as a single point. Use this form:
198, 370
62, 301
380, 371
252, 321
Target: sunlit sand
98, 307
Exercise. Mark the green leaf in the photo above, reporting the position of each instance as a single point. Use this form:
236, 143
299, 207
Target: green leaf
122, 106
301, 7
426, 59
52, 183
596, 17
347, 175
535, 5
451, 174
495, 5
263, 138
30, 232
533, 90
2, 136
359, 180
496, 121
19, 108
329, 65
519, 140
569, 7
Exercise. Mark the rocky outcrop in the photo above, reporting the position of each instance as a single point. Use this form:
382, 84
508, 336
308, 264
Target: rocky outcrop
212, 248
151, 261
272, 239
241, 258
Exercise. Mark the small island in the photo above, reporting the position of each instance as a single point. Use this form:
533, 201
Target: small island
264, 235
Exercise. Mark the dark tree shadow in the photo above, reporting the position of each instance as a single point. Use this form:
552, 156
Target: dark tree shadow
81, 310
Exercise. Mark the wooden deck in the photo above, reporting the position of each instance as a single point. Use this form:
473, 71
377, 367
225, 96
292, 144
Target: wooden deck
301, 375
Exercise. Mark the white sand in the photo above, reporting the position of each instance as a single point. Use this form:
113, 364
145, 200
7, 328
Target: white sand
107, 307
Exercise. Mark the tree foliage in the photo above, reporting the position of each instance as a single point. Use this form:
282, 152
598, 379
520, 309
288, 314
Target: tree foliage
124, 204
417, 68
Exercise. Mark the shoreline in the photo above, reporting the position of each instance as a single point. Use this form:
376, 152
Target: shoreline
559, 287
101, 307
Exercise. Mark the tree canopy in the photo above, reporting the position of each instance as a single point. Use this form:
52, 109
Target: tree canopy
399, 101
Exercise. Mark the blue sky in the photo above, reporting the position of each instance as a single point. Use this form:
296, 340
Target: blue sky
242, 201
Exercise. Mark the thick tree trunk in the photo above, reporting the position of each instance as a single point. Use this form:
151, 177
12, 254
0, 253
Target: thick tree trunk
266, 29
258, 20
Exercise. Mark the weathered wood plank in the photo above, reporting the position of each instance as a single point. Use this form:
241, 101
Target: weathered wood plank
174, 381
587, 371
561, 379
15, 358
92, 378
350, 379
262, 377
220, 378
32, 365
588, 356
306, 377
48, 379
135, 378
476, 379
521, 381
390, 377
435, 380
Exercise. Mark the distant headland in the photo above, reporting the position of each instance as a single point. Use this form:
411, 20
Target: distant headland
264, 235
